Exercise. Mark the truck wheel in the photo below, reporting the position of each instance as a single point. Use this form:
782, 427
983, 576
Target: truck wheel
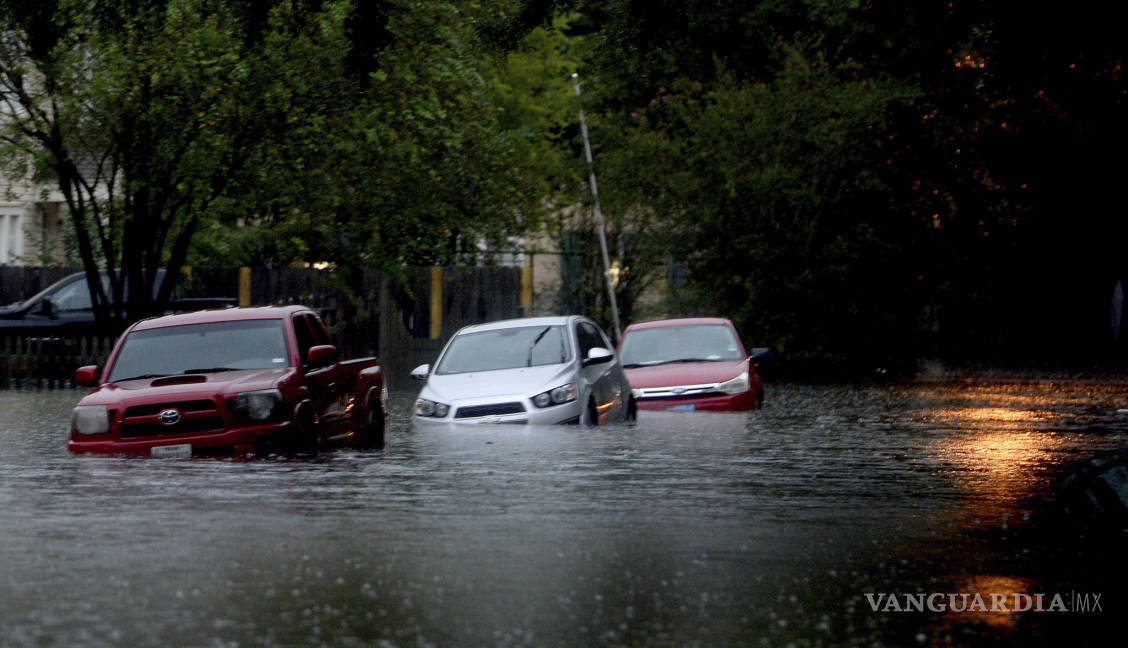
300, 441
373, 435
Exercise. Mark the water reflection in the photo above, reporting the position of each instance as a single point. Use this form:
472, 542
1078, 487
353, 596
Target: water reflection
708, 529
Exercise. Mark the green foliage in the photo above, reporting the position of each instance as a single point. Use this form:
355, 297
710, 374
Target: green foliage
775, 194
282, 132
434, 154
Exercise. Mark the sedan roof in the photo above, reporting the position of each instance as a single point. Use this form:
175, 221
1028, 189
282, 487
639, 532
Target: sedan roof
558, 320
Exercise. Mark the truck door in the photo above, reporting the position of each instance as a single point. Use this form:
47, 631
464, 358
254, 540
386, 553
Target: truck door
325, 384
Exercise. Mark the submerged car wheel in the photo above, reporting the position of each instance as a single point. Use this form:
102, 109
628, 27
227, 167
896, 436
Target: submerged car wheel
591, 414
760, 399
301, 440
632, 410
373, 436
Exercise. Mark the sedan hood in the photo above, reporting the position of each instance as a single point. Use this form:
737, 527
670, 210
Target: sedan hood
685, 373
502, 382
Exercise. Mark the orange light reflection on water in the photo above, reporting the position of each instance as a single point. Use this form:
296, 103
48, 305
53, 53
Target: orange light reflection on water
995, 445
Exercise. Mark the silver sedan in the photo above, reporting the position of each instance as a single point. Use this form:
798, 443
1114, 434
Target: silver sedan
536, 370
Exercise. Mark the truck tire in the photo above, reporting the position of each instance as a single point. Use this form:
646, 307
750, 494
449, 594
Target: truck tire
301, 441
373, 435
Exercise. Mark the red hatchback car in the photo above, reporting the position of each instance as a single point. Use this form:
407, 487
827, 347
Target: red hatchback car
690, 364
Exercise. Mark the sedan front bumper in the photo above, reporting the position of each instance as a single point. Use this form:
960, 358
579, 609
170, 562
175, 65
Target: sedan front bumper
516, 410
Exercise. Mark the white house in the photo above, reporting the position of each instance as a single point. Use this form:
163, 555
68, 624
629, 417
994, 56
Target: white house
32, 225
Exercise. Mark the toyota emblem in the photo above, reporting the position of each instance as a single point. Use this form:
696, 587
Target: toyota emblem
170, 417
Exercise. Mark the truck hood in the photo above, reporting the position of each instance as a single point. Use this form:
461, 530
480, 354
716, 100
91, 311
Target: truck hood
187, 387
685, 373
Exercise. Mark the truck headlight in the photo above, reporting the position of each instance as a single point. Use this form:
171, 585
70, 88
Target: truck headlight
258, 405
424, 407
90, 419
557, 396
737, 385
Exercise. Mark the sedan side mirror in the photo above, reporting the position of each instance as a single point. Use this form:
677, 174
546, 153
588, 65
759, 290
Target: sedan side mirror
86, 376
322, 355
598, 355
421, 372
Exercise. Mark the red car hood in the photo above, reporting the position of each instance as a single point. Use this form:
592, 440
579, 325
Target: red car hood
685, 373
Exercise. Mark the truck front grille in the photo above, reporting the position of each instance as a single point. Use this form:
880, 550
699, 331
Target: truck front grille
183, 406
196, 417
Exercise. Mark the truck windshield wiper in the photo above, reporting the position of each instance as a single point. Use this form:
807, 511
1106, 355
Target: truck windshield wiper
208, 370
140, 377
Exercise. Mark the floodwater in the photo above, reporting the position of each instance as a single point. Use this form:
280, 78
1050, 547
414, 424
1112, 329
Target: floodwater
776, 528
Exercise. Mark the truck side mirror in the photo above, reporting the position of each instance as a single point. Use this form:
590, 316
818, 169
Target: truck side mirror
86, 376
322, 355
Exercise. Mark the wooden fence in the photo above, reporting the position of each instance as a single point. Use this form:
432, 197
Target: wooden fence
48, 362
369, 314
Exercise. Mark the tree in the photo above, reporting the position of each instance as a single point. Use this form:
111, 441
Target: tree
746, 142
142, 113
429, 156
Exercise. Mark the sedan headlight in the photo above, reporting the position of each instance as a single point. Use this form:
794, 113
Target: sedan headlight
431, 409
90, 419
258, 405
558, 396
737, 385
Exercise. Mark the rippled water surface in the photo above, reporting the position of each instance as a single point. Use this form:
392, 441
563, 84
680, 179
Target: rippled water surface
683, 529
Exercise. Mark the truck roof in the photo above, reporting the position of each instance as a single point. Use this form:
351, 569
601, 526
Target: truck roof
219, 315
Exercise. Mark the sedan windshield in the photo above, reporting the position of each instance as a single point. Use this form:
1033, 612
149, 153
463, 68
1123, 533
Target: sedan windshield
694, 343
199, 348
510, 348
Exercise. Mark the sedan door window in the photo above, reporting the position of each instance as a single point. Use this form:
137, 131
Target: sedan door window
588, 338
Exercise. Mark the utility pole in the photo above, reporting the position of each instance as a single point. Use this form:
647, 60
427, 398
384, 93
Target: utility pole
598, 216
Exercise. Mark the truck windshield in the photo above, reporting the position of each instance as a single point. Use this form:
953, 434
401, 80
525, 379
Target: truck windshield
201, 348
509, 348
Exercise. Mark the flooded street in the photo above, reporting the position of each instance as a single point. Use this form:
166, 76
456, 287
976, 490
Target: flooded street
681, 530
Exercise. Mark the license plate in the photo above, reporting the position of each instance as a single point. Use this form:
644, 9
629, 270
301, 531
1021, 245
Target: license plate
682, 408
179, 451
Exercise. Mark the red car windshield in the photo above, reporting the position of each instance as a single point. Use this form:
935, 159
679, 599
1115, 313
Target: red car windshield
691, 343
201, 348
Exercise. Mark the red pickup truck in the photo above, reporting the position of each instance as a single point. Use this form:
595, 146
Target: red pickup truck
235, 381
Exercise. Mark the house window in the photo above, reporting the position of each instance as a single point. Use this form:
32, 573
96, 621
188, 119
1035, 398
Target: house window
11, 240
